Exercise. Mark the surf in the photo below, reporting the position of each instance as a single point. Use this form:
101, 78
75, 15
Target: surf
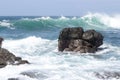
90, 20
36, 39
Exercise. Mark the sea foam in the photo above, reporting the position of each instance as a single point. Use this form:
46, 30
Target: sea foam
108, 20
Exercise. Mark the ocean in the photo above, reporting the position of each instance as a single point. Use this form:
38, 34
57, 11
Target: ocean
35, 38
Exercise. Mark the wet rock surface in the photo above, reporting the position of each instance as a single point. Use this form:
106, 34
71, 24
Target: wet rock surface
7, 57
78, 40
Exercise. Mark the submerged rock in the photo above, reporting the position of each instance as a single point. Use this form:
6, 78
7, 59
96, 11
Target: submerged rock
13, 79
107, 75
35, 74
7, 57
75, 39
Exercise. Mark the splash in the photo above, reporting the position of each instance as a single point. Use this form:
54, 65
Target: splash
5, 23
107, 20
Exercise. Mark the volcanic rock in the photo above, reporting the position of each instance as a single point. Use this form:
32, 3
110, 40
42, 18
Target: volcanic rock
75, 39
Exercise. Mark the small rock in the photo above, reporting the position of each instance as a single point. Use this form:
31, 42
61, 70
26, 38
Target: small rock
18, 58
22, 62
13, 79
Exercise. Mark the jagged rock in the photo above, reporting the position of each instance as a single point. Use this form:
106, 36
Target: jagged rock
66, 35
7, 57
1, 39
18, 58
22, 62
75, 39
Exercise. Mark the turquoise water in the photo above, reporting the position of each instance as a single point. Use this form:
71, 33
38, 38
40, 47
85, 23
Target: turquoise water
34, 38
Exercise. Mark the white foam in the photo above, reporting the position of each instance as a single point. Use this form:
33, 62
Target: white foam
43, 58
74, 18
110, 21
5, 23
37, 19
45, 18
63, 18
30, 46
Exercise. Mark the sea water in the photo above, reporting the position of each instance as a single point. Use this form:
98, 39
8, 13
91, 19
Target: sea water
35, 38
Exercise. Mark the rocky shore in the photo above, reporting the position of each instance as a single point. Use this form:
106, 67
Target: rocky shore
8, 58
78, 40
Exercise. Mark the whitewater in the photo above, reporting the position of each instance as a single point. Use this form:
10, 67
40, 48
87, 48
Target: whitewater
35, 39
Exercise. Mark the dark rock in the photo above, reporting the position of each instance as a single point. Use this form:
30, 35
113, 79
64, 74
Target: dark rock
93, 37
18, 58
66, 35
81, 46
2, 63
75, 39
7, 57
75, 33
62, 44
71, 33
13, 79
22, 62
1, 39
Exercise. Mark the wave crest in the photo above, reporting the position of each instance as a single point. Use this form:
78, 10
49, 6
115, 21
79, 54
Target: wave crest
91, 21
5, 23
107, 20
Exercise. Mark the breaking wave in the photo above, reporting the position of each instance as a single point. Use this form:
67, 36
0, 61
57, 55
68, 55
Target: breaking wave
92, 21
48, 64
35, 39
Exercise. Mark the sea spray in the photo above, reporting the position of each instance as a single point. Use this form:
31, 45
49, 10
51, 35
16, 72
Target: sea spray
35, 39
